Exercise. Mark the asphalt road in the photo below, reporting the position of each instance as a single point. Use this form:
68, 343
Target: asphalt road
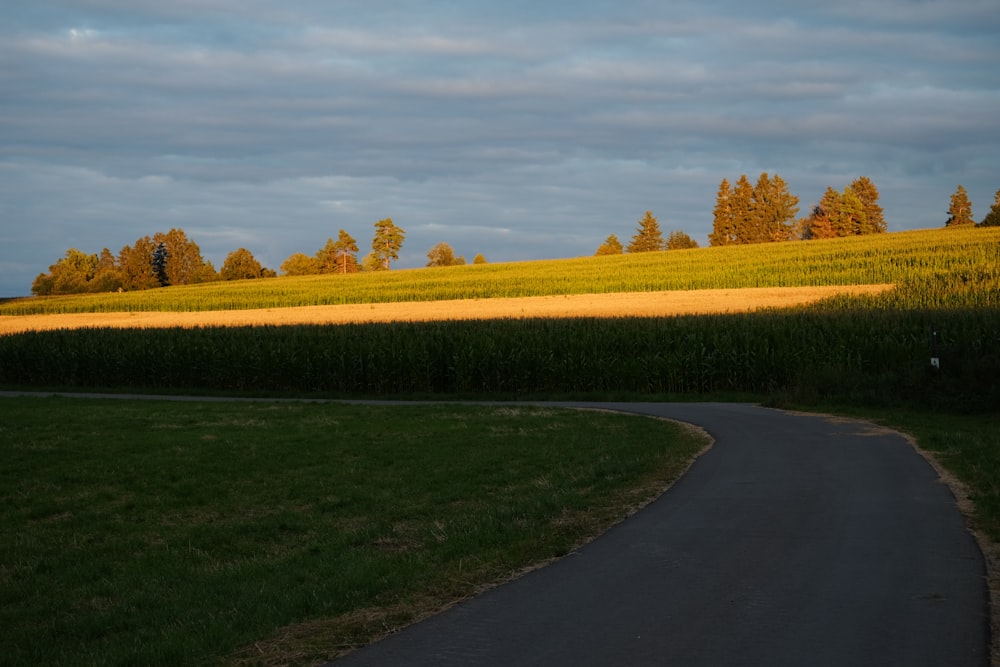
796, 540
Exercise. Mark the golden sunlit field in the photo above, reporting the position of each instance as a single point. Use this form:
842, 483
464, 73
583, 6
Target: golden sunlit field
625, 304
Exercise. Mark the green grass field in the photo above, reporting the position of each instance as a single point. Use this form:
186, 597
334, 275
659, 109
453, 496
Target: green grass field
169, 533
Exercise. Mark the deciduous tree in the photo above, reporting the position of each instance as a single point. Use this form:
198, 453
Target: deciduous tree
208, 273
136, 265
184, 265
441, 254
960, 211
300, 264
107, 277
648, 237
678, 240
479, 259
71, 274
241, 265
372, 263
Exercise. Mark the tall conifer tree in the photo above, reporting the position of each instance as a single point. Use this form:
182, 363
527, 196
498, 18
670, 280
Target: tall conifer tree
742, 205
345, 252
723, 225
774, 210
824, 221
960, 211
611, 246
992, 218
851, 214
386, 244
648, 236
868, 194
326, 257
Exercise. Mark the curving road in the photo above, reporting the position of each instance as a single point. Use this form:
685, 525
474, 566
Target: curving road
796, 540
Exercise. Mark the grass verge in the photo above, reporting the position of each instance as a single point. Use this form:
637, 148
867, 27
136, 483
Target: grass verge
165, 533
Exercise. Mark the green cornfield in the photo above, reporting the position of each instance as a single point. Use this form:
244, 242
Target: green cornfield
867, 355
903, 258
872, 350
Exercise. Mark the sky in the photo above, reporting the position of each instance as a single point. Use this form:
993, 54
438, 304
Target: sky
519, 129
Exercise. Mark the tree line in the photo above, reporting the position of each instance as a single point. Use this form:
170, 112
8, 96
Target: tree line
172, 258
766, 212
960, 211
744, 213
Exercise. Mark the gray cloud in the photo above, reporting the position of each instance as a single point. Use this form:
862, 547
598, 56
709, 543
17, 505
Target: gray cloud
520, 130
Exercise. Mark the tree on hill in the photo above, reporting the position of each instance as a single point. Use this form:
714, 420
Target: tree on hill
338, 256
441, 254
345, 252
992, 218
136, 265
300, 264
822, 224
326, 258
773, 210
184, 264
724, 222
479, 258
760, 213
69, 275
960, 210
648, 237
853, 212
741, 201
372, 263
868, 194
611, 246
159, 261
164, 259
241, 265
107, 277
386, 243
678, 240
208, 273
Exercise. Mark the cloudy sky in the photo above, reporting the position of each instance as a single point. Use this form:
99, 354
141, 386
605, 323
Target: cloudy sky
521, 129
